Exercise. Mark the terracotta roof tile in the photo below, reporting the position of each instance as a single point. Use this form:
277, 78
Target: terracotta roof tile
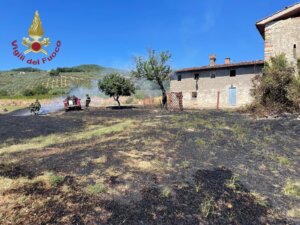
221, 66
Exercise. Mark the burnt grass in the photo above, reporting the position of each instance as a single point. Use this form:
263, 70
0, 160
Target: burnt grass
211, 162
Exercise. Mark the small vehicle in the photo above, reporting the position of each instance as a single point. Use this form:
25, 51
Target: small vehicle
72, 103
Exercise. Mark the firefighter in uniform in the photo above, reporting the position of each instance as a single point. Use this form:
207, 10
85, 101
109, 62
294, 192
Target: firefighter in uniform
37, 106
87, 101
31, 107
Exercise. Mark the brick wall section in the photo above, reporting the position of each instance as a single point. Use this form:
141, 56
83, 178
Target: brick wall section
281, 36
208, 87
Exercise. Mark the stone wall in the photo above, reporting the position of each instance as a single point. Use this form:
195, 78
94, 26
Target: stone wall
208, 87
281, 37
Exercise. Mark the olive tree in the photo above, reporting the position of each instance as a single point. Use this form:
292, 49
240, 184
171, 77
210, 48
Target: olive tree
156, 69
116, 85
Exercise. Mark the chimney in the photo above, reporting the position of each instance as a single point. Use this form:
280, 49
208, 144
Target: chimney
227, 60
212, 60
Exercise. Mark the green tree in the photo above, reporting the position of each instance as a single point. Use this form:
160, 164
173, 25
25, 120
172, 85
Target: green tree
40, 90
54, 73
155, 68
115, 85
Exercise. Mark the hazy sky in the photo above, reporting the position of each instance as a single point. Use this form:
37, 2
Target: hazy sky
112, 32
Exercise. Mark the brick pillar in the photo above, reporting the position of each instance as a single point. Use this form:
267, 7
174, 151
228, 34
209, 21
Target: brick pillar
268, 44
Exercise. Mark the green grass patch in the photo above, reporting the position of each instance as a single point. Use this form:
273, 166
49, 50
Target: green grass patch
200, 142
56, 180
97, 188
232, 183
166, 192
283, 160
292, 188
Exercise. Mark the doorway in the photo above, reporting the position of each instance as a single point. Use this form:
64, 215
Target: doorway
232, 96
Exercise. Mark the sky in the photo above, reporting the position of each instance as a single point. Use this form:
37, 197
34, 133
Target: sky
112, 33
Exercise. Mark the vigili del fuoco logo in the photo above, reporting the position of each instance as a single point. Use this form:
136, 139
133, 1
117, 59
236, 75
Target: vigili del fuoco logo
35, 43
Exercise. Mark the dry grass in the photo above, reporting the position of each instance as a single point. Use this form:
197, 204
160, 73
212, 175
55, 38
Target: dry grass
9, 108
294, 213
260, 199
48, 178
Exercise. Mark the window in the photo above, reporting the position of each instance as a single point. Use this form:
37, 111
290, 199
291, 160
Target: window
213, 75
178, 77
194, 94
295, 51
232, 73
196, 76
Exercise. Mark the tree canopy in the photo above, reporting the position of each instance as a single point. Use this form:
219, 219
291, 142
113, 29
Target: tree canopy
115, 85
155, 68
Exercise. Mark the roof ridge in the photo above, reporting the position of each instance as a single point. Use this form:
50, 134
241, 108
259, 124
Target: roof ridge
217, 66
285, 8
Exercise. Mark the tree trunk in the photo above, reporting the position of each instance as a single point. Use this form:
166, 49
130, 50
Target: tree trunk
164, 100
164, 95
117, 100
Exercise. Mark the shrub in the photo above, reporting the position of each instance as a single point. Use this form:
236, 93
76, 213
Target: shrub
278, 88
54, 73
27, 69
57, 91
28, 92
3, 93
294, 91
68, 69
40, 90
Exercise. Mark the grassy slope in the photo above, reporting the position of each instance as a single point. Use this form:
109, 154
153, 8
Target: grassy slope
14, 82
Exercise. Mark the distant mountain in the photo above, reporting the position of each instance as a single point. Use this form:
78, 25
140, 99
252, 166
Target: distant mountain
90, 68
26, 69
95, 68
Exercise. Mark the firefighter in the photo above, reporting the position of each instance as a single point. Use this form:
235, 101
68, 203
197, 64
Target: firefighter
87, 101
37, 106
74, 99
31, 107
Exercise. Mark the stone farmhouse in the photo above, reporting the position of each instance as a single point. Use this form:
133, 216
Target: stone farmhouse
229, 84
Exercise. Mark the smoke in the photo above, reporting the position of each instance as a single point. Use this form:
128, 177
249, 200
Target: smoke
55, 105
81, 92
